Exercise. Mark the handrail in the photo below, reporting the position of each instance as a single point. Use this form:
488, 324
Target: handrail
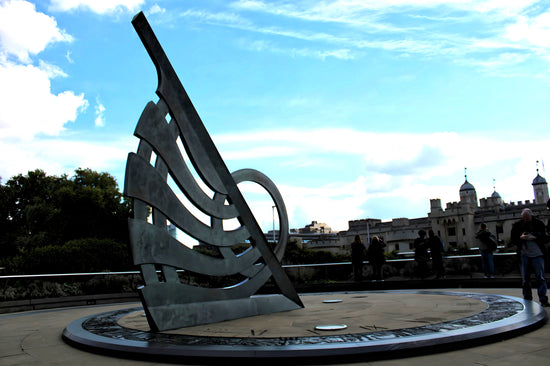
45, 275
106, 273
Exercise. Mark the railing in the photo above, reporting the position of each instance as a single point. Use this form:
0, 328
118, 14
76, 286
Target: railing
127, 273
45, 275
322, 272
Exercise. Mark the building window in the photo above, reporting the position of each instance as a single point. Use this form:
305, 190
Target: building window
463, 231
451, 231
397, 246
499, 229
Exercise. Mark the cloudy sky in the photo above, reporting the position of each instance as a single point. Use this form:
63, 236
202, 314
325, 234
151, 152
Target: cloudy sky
355, 109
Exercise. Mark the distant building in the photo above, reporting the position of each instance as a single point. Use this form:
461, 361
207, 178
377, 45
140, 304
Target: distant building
318, 236
456, 225
398, 234
313, 228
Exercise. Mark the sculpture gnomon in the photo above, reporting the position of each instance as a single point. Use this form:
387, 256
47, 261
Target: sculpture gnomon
169, 303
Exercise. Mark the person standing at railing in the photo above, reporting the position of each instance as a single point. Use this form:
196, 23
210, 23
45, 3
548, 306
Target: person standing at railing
529, 236
375, 256
357, 257
436, 250
487, 245
421, 255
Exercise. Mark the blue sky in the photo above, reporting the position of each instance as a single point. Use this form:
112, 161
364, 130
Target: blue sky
355, 109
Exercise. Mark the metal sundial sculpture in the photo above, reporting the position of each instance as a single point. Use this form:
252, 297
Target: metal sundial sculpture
155, 175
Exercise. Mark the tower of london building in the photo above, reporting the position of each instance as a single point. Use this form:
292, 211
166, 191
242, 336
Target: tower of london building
456, 224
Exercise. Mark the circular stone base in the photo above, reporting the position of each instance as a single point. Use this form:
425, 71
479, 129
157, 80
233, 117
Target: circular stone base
375, 322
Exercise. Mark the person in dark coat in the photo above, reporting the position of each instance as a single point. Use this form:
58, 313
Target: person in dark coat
436, 250
529, 236
375, 255
357, 257
487, 245
421, 255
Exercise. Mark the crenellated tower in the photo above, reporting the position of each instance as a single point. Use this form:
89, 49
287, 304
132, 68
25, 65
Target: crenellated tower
468, 192
540, 188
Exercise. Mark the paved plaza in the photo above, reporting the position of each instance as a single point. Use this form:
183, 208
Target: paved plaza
34, 338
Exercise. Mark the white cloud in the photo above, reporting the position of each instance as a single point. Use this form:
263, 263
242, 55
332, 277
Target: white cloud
68, 57
381, 193
350, 11
28, 106
51, 156
260, 46
52, 71
156, 9
99, 114
98, 6
333, 204
505, 7
228, 19
535, 31
502, 27
25, 32
403, 170
371, 14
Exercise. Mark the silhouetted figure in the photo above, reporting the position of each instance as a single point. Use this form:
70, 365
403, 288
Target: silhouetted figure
487, 245
436, 250
529, 236
421, 255
357, 257
375, 255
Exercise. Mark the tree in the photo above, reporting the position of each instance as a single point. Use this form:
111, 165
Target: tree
26, 209
93, 207
39, 211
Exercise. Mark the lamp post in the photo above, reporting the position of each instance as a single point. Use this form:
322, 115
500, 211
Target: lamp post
273, 210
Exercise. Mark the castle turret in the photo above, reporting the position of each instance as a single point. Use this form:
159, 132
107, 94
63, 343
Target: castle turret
495, 197
435, 205
540, 189
468, 192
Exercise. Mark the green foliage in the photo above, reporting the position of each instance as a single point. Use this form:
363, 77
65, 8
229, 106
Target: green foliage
240, 248
49, 223
80, 255
36, 289
210, 251
394, 254
297, 255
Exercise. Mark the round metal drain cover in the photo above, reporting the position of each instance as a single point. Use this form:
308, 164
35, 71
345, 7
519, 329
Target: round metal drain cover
331, 327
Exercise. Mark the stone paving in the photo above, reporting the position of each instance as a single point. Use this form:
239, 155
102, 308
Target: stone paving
34, 338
